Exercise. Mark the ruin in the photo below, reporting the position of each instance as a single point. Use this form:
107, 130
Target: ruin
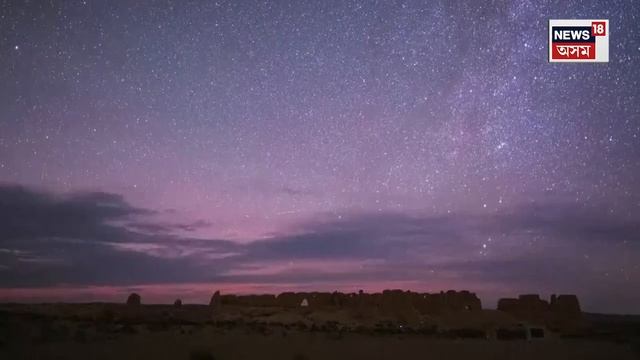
527, 307
527, 316
406, 304
561, 313
449, 313
216, 300
133, 299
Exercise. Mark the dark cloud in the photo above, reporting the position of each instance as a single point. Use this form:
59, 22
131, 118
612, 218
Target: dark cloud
291, 191
89, 238
28, 214
100, 239
569, 220
169, 228
383, 235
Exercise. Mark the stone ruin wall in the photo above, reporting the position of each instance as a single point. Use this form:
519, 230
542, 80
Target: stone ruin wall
561, 312
388, 300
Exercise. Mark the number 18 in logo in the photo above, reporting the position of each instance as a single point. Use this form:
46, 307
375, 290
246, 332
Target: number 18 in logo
599, 28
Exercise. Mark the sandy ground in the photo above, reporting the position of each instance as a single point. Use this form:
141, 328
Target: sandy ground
77, 333
242, 345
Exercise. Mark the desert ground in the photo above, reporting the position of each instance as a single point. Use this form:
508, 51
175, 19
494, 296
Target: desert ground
118, 331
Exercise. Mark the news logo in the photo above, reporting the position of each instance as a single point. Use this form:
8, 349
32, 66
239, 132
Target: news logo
578, 40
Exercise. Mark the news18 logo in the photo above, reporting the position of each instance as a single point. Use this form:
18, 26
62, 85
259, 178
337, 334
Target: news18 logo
578, 40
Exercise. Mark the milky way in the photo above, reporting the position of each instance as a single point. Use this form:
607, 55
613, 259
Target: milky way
179, 146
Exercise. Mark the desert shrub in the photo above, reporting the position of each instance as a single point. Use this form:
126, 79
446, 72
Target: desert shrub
128, 329
201, 354
331, 325
41, 334
466, 333
4, 317
48, 332
259, 328
428, 330
157, 326
107, 315
511, 334
537, 333
80, 336
305, 311
227, 324
359, 315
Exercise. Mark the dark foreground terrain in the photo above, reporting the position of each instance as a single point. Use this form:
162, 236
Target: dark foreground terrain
111, 331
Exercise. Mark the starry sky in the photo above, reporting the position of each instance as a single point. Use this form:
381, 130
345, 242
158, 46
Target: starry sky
179, 147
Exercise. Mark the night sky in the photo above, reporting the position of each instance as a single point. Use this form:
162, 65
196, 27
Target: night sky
176, 148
